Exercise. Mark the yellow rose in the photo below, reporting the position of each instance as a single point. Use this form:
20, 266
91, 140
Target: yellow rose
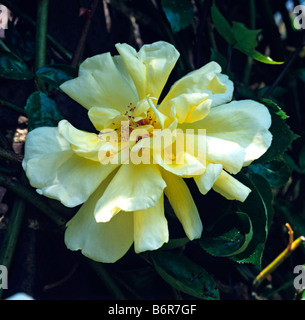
122, 200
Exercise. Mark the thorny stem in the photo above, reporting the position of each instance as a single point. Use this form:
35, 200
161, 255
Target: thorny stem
82, 41
292, 245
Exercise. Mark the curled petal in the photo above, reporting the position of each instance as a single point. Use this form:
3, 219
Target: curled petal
206, 80
231, 188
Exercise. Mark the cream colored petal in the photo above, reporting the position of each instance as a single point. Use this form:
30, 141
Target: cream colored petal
103, 242
84, 144
231, 188
134, 187
108, 77
86, 91
204, 80
105, 118
219, 97
206, 181
150, 228
227, 153
244, 122
184, 165
57, 172
150, 67
183, 205
189, 107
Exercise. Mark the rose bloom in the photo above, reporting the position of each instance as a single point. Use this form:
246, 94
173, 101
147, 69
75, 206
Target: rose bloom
123, 201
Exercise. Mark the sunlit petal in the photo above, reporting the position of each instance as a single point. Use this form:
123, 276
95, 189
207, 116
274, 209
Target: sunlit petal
150, 228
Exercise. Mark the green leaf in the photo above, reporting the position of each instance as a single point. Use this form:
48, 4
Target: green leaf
245, 38
41, 111
281, 132
12, 67
231, 242
222, 25
179, 13
276, 172
184, 275
239, 36
246, 42
258, 206
175, 243
56, 74
260, 57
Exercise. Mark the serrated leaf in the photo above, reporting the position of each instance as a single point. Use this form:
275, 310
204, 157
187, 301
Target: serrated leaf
281, 132
56, 74
179, 13
41, 111
258, 206
184, 275
239, 36
276, 172
12, 67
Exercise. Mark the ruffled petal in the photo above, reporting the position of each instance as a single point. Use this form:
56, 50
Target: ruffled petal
134, 187
150, 67
84, 144
208, 80
231, 188
150, 228
103, 242
57, 172
189, 107
100, 79
183, 205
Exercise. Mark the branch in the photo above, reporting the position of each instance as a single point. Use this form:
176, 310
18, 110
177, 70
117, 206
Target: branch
292, 245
